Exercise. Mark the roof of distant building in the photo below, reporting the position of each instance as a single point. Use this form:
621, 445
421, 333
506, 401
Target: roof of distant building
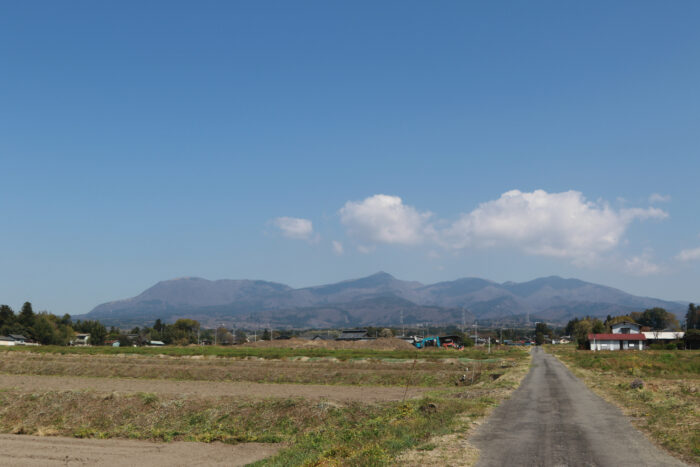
351, 334
617, 337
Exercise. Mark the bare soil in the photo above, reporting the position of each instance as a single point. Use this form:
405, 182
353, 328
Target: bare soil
300, 370
32, 383
383, 343
40, 451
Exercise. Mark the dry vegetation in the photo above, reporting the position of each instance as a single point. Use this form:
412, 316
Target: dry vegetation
665, 407
313, 431
427, 373
454, 448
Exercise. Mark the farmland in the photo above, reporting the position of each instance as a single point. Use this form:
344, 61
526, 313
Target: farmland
323, 405
664, 406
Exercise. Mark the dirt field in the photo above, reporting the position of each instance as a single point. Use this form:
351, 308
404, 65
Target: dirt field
33, 383
336, 407
299, 370
375, 344
41, 451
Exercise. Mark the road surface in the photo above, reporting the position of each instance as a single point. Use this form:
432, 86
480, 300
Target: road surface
553, 419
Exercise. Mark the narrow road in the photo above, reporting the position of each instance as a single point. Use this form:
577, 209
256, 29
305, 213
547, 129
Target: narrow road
553, 419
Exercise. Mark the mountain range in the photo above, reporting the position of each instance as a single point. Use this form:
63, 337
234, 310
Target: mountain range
376, 300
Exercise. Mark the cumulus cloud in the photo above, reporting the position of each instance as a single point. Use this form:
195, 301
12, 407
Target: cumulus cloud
338, 247
659, 198
692, 254
562, 225
385, 219
295, 227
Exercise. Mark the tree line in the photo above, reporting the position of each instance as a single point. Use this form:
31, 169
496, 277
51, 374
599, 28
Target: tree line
46, 328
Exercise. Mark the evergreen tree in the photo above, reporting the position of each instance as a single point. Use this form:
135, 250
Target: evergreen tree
692, 317
26, 316
7, 316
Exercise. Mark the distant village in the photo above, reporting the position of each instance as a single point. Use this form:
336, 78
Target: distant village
651, 329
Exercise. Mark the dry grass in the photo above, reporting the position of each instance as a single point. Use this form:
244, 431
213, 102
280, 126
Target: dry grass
430, 373
314, 432
667, 408
454, 448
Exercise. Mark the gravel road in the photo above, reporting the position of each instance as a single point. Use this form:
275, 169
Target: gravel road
553, 419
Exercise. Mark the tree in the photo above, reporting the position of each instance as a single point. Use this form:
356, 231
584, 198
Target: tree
581, 330
241, 337
266, 335
43, 330
692, 317
386, 332
539, 338
569, 330
597, 327
543, 328
692, 339
26, 316
7, 316
656, 318
223, 337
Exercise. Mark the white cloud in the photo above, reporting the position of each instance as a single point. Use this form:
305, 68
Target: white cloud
338, 247
642, 265
295, 227
562, 225
385, 219
659, 198
692, 254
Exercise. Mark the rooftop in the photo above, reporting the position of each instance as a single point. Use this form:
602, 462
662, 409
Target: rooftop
617, 337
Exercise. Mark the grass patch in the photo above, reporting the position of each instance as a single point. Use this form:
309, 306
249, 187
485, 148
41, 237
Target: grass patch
666, 406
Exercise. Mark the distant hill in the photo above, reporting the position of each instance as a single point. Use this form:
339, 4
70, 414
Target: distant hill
379, 300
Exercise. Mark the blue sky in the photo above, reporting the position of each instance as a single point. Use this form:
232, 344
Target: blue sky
309, 142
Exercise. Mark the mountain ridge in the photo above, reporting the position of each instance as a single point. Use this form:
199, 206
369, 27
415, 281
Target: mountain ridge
378, 299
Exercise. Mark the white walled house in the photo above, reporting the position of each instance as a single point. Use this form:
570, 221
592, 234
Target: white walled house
624, 336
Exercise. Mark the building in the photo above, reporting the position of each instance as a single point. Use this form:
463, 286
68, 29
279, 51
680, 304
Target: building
624, 336
19, 339
662, 337
354, 335
7, 341
81, 339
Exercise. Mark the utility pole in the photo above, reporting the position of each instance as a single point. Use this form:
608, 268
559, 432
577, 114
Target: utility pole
463, 320
476, 333
403, 331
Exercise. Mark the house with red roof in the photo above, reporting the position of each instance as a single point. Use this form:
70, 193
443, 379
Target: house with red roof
624, 336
